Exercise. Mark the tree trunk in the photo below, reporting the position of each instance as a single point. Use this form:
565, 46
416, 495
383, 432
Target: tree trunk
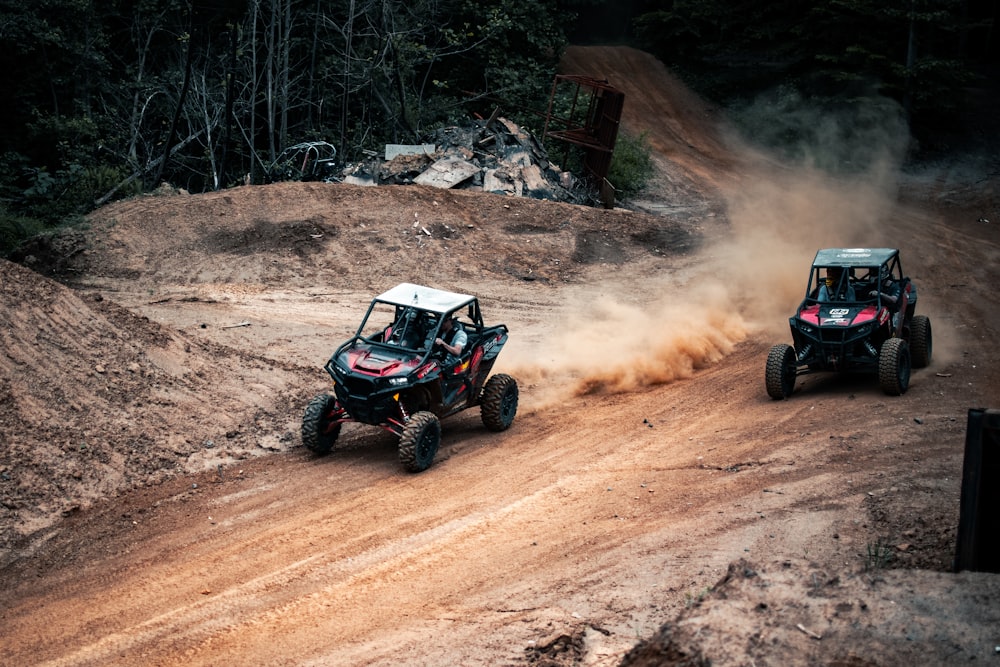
346, 95
177, 110
911, 61
227, 128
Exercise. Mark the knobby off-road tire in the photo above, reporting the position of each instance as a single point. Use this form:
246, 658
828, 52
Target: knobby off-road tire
319, 433
420, 441
499, 402
921, 341
894, 366
779, 376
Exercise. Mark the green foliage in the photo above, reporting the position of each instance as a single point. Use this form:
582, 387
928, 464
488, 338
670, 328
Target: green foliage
911, 51
37, 199
112, 92
62, 140
15, 229
202, 94
631, 164
397, 70
878, 555
54, 197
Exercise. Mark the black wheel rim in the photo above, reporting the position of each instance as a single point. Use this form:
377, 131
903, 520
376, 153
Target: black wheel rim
508, 405
788, 376
325, 428
788, 373
424, 444
427, 445
903, 374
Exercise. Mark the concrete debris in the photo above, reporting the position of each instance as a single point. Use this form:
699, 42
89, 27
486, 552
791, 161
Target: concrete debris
493, 156
447, 173
359, 179
393, 150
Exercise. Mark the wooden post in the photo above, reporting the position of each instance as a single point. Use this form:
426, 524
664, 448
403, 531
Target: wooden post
978, 547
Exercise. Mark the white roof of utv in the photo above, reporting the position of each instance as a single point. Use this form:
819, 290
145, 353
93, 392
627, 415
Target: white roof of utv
424, 298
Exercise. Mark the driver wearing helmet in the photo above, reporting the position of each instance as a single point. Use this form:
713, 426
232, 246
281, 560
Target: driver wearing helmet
835, 287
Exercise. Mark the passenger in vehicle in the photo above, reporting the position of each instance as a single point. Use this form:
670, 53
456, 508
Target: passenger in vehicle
452, 340
889, 291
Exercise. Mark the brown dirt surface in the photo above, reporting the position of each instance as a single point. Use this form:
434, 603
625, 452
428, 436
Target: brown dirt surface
650, 504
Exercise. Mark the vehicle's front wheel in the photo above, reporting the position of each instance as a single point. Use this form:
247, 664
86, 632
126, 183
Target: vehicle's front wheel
921, 342
420, 441
499, 402
319, 431
894, 366
779, 376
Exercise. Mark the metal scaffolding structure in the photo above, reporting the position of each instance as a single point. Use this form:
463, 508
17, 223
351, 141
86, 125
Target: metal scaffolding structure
593, 121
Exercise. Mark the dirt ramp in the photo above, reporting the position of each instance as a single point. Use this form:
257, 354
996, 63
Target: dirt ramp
681, 128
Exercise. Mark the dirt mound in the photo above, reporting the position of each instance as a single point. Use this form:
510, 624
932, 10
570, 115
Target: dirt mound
821, 617
307, 235
95, 400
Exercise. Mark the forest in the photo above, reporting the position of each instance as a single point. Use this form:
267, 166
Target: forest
106, 99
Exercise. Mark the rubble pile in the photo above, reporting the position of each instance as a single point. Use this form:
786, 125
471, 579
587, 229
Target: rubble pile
494, 155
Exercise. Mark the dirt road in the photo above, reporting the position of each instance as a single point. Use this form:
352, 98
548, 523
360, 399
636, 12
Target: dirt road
647, 480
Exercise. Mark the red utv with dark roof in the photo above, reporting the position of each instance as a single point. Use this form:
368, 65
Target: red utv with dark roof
857, 316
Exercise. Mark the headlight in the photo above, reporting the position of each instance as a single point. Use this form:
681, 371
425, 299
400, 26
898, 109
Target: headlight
806, 328
863, 330
397, 381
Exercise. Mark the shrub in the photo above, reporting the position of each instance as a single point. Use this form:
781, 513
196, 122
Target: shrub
631, 164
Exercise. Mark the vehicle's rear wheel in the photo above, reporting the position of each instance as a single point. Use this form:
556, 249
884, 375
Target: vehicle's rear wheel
894, 366
779, 377
319, 431
921, 341
499, 402
420, 441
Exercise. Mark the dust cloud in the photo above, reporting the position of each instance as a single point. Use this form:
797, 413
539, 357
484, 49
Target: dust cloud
816, 178
779, 219
622, 338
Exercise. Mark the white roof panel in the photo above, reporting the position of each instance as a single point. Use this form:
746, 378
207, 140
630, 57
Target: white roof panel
425, 298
